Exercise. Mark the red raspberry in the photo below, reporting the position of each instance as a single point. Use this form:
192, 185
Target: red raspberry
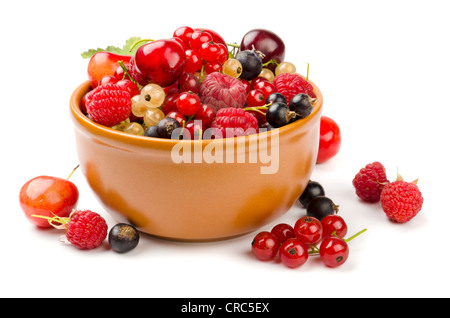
233, 122
109, 104
86, 229
401, 200
292, 84
369, 182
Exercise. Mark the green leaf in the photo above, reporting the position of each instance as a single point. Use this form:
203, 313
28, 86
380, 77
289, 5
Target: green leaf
125, 50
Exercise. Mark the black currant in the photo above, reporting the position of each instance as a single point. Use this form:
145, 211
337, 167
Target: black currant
312, 190
321, 206
251, 64
276, 98
302, 105
166, 126
123, 237
278, 115
151, 132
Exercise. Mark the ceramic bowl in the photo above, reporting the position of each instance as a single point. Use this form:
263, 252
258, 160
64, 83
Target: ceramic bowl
197, 190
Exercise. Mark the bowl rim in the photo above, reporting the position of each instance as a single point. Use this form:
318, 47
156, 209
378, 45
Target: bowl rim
144, 141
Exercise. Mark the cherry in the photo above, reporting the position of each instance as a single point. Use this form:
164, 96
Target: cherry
333, 251
247, 85
283, 231
330, 139
293, 253
102, 64
334, 225
267, 42
193, 61
308, 230
161, 62
129, 86
265, 246
107, 79
48, 196
188, 103
180, 41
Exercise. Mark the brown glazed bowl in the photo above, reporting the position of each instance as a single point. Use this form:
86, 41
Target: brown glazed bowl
230, 187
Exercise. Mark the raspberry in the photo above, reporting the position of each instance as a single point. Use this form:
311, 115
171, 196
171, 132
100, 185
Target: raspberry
109, 104
401, 200
234, 122
292, 84
369, 182
86, 229
222, 91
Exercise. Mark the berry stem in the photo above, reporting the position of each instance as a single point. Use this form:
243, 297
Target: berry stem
307, 71
70, 175
355, 235
125, 70
258, 108
61, 220
271, 62
139, 41
234, 45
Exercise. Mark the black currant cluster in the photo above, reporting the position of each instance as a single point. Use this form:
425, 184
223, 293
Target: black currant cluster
280, 112
316, 203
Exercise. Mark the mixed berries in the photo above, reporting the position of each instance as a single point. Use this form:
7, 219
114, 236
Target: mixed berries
191, 77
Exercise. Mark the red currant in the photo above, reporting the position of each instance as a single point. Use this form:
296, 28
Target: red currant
293, 253
223, 56
255, 98
193, 61
330, 139
209, 51
188, 82
188, 103
266, 87
199, 37
178, 116
247, 85
333, 251
265, 246
257, 80
211, 67
334, 224
283, 231
170, 103
206, 114
184, 33
195, 129
308, 230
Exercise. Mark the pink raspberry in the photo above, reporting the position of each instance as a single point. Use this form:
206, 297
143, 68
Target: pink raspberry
369, 182
222, 91
109, 104
401, 200
234, 122
292, 84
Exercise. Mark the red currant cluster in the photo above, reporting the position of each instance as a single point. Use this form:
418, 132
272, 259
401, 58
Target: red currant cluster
295, 244
203, 48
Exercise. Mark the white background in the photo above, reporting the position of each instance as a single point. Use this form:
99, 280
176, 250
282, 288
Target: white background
383, 68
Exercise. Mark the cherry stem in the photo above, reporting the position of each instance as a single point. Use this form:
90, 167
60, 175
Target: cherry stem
61, 220
125, 71
70, 175
139, 41
235, 45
